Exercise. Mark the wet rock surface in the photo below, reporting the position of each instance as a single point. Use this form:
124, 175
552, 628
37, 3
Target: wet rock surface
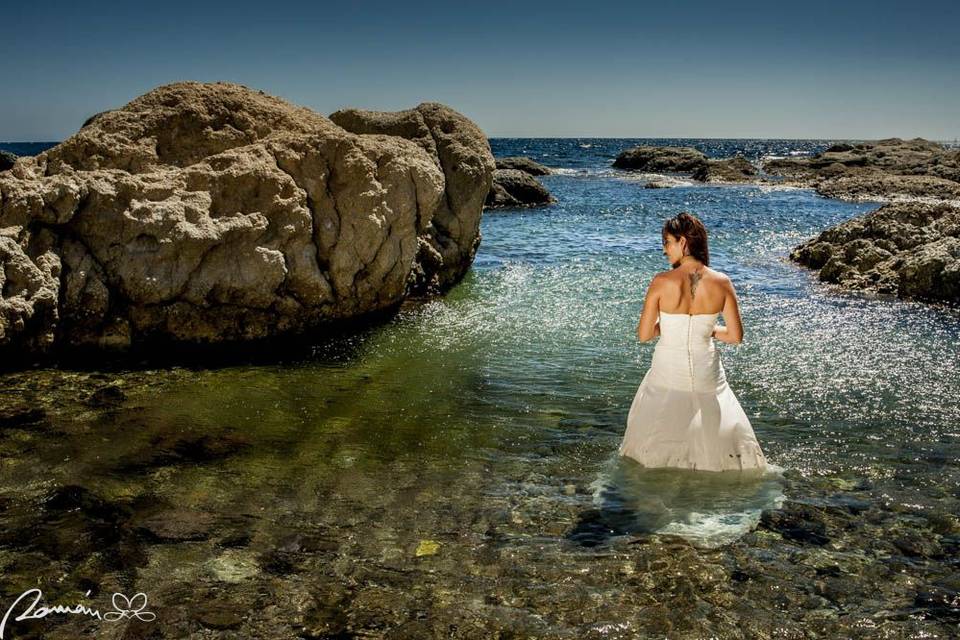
911, 250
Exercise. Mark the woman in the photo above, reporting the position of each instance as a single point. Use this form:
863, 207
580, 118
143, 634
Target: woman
684, 414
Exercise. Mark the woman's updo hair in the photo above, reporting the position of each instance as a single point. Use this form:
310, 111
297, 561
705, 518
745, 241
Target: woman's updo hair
687, 225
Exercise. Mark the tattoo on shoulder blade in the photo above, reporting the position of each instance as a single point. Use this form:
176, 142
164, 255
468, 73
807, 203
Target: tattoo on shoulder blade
694, 280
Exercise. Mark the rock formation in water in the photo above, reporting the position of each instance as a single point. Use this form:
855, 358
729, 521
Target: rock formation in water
735, 169
657, 159
515, 184
889, 169
525, 164
658, 184
516, 188
910, 249
208, 212
686, 160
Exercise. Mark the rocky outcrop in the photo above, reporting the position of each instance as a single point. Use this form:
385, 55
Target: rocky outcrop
451, 233
735, 169
523, 163
209, 212
909, 249
686, 160
516, 188
889, 169
869, 185
661, 159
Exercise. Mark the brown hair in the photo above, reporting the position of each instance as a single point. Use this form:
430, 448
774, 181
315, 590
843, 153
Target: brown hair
687, 225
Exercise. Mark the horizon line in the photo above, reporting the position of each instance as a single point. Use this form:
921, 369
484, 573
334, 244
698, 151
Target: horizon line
626, 138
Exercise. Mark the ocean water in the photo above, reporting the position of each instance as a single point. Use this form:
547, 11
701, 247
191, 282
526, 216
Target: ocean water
490, 418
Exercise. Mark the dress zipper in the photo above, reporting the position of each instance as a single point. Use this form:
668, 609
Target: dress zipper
693, 387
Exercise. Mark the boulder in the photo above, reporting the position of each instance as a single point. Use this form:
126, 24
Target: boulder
910, 249
516, 188
451, 229
661, 159
523, 163
211, 212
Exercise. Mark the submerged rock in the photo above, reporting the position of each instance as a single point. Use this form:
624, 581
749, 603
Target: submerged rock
657, 184
211, 212
910, 249
20, 414
797, 521
516, 188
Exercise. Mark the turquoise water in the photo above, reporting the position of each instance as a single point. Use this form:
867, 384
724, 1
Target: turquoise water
832, 382
488, 419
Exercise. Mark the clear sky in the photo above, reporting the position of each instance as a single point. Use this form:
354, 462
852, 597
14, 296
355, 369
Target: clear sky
718, 68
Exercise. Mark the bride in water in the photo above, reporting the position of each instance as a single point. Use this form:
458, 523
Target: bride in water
684, 413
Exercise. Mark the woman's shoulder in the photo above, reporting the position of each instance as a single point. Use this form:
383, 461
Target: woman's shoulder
672, 275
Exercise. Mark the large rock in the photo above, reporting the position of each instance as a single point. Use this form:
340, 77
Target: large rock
211, 212
657, 159
516, 188
911, 249
460, 149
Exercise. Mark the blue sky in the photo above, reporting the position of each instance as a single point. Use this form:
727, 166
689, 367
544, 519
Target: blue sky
674, 69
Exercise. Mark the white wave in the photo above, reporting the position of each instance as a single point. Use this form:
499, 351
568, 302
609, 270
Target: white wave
769, 188
897, 197
663, 178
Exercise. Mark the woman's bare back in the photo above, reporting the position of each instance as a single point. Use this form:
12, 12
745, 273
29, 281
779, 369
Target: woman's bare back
693, 290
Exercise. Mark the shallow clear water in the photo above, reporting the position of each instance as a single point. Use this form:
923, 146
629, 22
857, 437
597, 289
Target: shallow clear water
495, 412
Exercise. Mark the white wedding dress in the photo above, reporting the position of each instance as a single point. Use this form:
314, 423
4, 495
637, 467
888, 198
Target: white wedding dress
685, 414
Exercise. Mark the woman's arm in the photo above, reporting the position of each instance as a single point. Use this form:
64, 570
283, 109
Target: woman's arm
733, 332
649, 327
